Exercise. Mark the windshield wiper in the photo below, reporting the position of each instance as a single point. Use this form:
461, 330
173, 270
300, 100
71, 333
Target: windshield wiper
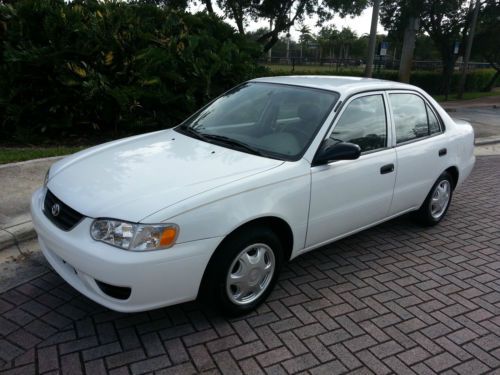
189, 130
232, 142
221, 139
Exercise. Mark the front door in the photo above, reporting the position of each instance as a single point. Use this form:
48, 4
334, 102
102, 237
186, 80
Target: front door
349, 195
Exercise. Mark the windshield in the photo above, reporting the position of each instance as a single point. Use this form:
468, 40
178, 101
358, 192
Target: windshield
271, 120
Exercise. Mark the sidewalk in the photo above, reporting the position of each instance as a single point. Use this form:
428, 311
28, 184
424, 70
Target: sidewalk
17, 182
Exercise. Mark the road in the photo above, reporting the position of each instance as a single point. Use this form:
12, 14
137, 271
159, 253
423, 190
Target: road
485, 120
396, 298
483, 113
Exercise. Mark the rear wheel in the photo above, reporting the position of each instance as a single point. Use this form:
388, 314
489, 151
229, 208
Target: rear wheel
244, 270
437, 202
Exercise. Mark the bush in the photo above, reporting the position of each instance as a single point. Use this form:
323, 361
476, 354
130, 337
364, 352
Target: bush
88, 67
430, 81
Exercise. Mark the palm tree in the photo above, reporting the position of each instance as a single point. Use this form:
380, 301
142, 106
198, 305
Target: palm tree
327, 38
305, 36
346, 38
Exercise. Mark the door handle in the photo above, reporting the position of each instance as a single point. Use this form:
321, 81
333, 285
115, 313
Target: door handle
442, 152
387, 169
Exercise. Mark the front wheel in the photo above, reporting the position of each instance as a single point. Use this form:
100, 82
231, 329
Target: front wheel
437, 202
244, 270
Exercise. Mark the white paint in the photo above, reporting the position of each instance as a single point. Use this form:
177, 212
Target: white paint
209, 191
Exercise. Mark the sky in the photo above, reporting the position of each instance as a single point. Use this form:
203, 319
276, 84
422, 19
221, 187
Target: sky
360, 24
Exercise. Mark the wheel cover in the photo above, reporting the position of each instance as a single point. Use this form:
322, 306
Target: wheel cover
440, 199
250, 274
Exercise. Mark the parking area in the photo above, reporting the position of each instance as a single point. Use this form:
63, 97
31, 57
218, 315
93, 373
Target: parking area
482, 113
485, 120
397, 298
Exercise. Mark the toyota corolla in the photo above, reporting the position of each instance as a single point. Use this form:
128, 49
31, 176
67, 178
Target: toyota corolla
269, 170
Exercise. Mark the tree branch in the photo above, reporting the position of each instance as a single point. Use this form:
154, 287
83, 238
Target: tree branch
208, 5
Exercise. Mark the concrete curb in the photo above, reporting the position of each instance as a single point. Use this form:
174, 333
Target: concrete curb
15, 234
6, 239
486, 141
453, 108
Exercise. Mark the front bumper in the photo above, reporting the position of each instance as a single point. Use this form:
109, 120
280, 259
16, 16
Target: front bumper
155, 278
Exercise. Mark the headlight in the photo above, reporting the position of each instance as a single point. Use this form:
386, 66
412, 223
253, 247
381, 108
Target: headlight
134, 237
46, 179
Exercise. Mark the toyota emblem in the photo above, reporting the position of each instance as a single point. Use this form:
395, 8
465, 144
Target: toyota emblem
55, 209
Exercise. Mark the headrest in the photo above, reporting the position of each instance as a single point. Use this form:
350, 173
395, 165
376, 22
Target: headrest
308, 113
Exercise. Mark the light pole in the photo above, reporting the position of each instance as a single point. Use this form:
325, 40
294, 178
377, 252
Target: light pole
288, 47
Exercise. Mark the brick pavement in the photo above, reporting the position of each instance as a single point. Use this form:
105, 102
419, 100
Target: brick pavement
393, 299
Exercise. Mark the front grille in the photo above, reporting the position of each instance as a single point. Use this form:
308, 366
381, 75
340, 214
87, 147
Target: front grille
65, 217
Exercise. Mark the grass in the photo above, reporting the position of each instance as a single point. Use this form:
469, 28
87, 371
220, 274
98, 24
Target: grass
310, 68
468, 95
14, 154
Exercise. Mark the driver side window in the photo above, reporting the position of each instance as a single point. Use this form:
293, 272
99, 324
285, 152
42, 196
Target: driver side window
363, 123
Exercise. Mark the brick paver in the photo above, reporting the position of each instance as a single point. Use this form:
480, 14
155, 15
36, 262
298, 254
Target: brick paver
393, 299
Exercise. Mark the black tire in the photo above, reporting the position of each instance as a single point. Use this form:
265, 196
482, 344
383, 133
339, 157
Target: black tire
426, 214
214, 288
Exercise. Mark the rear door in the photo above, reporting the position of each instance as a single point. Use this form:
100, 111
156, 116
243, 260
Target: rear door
421, 149
348, 195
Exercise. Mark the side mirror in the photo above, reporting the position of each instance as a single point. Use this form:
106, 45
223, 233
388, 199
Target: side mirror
331, 150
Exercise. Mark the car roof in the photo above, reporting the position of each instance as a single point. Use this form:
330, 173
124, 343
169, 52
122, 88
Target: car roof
341, 84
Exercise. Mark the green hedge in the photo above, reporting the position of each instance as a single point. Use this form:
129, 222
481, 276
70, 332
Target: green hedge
101, 69
87, 68
430, 81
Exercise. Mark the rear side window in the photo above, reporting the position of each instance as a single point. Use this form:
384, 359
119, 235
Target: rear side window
363, 123
410, 117
413, 118
434, 126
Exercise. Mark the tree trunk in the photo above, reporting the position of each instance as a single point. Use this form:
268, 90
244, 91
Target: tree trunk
239, 24
373, 39
269, 39
448, 67
280, 24
470, 38
238, 16
407, 51
269, 51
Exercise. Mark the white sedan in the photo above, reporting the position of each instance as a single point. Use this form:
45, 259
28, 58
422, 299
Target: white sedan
270, 170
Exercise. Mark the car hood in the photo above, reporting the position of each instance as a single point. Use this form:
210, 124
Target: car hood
133, 178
